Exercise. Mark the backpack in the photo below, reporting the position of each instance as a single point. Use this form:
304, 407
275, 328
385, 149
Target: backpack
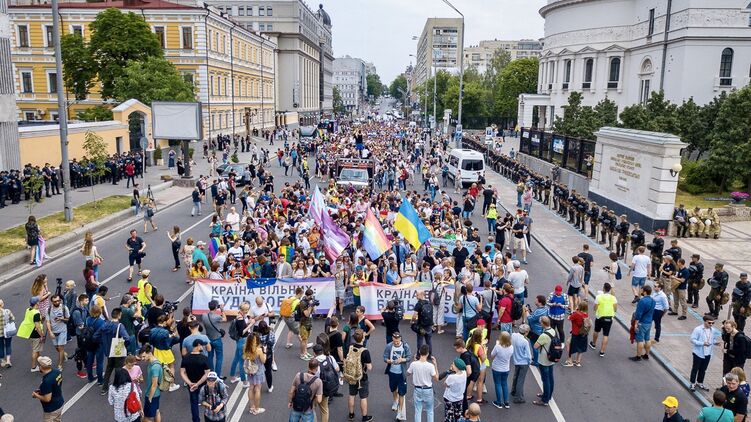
586, 327
555, 348
168, 378
298, 311
425, 316
353, 365
87, 338
399, 310
285, 310
517, 308
233, 333
302, 399
474, 363
329, 377
436, 295
324, 340
71, 325
132, 404
747, 345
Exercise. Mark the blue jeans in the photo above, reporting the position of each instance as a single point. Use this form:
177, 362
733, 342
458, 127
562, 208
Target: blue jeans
99, 356
196, 208
500, 380
5, 349
548, 383
237, 361
518, 199
423, 398
491, 225
216, 356
295, 416
466, 214
195, 411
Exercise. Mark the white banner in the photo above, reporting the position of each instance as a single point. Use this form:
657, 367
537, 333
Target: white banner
375, 296
231, 294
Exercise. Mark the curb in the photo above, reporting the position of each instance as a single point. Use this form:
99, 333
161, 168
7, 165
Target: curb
68, 242
659, 357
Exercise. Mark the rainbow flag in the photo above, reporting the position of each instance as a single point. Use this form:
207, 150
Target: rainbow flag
288, 252
408, 223
214, 244
374, 238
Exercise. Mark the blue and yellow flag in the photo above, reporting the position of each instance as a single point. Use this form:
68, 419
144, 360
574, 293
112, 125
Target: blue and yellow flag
410, 226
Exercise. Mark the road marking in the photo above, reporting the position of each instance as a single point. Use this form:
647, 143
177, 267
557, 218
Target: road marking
87, 387
233, 398
552, 404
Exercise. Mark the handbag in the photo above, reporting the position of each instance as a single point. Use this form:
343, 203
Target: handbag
132, 404
470, 323
9, 328
117, 347
250, 367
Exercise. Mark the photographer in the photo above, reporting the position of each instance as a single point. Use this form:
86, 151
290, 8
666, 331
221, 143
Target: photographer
304, 312
622, 230
717, 285
695, 280
130, 317
157, 310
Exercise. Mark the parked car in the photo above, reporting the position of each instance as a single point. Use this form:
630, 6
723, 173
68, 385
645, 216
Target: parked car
242, 176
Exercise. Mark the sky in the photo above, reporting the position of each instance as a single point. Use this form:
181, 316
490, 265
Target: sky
380, 31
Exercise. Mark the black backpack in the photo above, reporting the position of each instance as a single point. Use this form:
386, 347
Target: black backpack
87, 338
517, 308
555, 348
329, 377
474, 363
233, 333
71, 325
302, 400
425, 317
324, 341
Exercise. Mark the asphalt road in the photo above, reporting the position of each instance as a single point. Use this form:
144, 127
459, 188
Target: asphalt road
612, 387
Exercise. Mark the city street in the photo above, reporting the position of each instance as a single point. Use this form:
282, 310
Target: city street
611, 387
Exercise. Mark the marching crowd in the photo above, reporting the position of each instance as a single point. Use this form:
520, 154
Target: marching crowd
129, 350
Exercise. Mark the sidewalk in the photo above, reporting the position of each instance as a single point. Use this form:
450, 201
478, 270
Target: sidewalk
563, 241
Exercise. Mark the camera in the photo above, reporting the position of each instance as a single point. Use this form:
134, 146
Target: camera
170, 307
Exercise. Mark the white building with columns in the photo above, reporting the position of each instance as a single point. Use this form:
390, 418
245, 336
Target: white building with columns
10, 153
626, 49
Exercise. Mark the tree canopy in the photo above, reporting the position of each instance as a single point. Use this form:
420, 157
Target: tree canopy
374, 85
398, 87
155, 79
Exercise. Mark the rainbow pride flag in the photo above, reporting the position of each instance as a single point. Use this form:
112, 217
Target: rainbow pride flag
214, 244
288, 252
374, 239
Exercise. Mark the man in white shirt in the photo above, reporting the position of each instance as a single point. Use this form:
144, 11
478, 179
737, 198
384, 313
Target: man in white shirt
408, 270
236, 250
260, 311
519, 280
641, 267
233, 219
423, 373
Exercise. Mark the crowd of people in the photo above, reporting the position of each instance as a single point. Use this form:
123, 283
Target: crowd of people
129, 350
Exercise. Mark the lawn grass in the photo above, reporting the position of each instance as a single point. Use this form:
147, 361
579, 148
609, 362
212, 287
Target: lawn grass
14, 239
691, 201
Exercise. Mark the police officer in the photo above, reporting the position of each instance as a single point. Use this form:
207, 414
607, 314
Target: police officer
46, 173
55, 182
695, 280
655, 252
711, 224
680, 218
622, 230
563, 201
581, 217
717, 285
546, 185
696, 222
556, 195
674, 251
4, 185
604, 221
741, 299
637, 238
592, 215
573, 202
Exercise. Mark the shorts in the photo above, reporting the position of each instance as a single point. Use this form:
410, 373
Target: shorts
603, 324
61, 339
573, 291
134, 259
360, 389
638, 281
518, 243
304, 333
642, 332
37, 345
164, 356
587, 277
150, 407
340, 292
294, 326
398, 383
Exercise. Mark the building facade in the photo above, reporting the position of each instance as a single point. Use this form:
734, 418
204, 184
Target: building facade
439, 46
10, 155
350, 79
305, 55
626, 49
479, 56
232, 68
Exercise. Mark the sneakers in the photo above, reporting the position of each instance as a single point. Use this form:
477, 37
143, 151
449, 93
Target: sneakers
703, 387
636, 299
273, 366
602, 354
246, 384
567, 364
578, 364
366, 418
692, 387
645, 357
306, 356
672, 313
81, 374
288, 345
506, 406
635, 358
592, 345
497, 404
174, 387
351, 416
394, 406
35, 369
682, 317
309, 345
234, 380
271, 389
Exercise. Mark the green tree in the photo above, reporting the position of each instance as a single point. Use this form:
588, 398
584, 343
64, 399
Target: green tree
730, 155
79, 70
518, 77
33, 183
398, 88
154, 79
339, 108
97, 113
118, 38
474, 105
607, 112
374, 85
691, 126
658, 115
501, 58
577, 121
425, 92
95, 149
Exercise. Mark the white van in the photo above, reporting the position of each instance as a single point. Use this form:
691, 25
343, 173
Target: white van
469, 163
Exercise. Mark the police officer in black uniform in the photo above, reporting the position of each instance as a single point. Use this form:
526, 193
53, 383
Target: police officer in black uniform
637, 238
593, 215
695, 280
741, 299
717, 285
655, 251
622, 229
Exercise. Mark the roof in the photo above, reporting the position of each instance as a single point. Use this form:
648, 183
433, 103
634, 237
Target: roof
121, 4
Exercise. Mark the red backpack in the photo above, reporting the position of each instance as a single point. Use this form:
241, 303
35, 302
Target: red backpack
132, 405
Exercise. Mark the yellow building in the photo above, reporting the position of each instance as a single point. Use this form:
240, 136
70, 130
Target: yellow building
233, 68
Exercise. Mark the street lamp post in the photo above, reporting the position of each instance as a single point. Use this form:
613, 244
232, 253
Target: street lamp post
62, 113
461, 68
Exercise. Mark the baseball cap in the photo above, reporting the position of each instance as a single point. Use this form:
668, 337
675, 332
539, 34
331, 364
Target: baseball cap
145, 273
212, 376
33, 301
744, 274
201, 243
480, 322
558, 288
670, 401
44, 361
459, 363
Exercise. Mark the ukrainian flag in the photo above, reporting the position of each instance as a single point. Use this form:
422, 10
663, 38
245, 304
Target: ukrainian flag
408, 223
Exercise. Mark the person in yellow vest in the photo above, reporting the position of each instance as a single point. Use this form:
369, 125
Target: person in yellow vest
491, 216
711, 224
357, 278
31, 328
145, 290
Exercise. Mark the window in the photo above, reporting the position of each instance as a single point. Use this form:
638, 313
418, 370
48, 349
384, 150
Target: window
48, 41
187, 38
188, 77
52, 82
160, 35
77, 30
29, 115
261, 27
269, 11
651, 29
726, 67
54, 115
211, 79
27, 86
566, 74
250, 10
588, 70
644, 92
261, 11
749, 16
23, 36
551, 74
615, 72
241, 10
269, 27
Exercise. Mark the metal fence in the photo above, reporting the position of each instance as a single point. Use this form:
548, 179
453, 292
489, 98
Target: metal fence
566, 152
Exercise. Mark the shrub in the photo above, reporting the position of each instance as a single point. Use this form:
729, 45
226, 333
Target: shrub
158, 154
697, 178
